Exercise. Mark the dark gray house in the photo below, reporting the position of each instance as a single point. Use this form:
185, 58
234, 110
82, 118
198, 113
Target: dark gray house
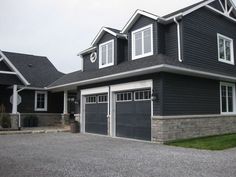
23, 82
160, 78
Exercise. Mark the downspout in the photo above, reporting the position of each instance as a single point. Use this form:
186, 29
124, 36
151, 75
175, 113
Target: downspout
179, 42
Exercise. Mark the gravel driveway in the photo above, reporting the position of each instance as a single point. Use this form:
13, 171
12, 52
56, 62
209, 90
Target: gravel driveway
65, 154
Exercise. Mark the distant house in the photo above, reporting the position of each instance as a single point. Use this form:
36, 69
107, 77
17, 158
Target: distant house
160, 78
23, 82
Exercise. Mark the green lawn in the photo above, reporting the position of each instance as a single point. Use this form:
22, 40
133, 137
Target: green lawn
220, 142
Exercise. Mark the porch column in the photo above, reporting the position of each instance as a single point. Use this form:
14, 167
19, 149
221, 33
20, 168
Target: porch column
65, 110
65, 116
14, 100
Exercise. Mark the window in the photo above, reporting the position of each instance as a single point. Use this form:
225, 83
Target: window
41, 101
106, 54
225, 49
91, 100
122, 97
102, 99
142, 42
142, 95
227, 93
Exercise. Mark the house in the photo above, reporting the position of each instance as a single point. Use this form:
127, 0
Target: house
160, 78
23, 82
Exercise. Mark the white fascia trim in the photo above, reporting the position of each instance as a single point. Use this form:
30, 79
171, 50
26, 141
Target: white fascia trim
87, 51
1, 59
8, 72
132, 86
21, 77
96, 90
100, 33
219, 12
148, 70
45, 101
135, 17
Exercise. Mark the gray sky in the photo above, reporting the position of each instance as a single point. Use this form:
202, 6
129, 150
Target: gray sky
60, 29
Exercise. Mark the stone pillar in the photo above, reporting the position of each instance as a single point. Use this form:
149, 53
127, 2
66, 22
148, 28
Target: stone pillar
14, 121
14, 99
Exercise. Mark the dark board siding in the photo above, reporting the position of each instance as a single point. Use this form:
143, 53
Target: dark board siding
158, 92
200, 40
142, 22
7, 79
171, 41
5, 94
4, 67
55, 102
216, 5
88, 65
185, 95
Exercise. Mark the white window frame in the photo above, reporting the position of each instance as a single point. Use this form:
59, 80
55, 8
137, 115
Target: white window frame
231, 49
104, 95
45, 101
119, 101
227, 85
142, 91
100, 54
89, 101
134, 57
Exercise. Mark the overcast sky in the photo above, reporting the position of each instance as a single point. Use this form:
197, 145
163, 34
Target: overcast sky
60, 29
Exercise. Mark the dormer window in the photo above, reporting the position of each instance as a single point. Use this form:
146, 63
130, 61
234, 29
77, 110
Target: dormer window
225, 49
106, 54
142, 42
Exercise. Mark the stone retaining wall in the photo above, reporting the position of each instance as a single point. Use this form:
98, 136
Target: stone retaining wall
173, 128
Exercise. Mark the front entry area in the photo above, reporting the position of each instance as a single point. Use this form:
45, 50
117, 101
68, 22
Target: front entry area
133, 114
96, 114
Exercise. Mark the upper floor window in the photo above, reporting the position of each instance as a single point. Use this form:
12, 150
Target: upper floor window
225, 49
106, 54
142, 42
227, 92
41, 99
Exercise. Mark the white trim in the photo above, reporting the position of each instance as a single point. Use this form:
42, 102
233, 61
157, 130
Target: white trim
93, 91
100, 54
135, 16
219, 12
134, 57
132, 86
45, 101
1, 59
234, 105
20, 76
87, 50
8, 72
142, 91
65, 102
179, 42
231, 49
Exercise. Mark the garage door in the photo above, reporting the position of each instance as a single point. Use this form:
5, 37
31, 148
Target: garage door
96, 114
133, 114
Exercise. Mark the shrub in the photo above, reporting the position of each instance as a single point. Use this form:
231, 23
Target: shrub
5, 122
31, 121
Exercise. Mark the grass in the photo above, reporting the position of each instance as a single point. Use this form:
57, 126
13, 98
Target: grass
220, 142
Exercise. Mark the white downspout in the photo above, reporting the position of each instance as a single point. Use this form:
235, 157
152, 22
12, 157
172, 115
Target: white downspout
179, 43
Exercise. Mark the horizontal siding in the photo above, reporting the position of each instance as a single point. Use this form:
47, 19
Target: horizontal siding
200, 40
185, 95
171, 47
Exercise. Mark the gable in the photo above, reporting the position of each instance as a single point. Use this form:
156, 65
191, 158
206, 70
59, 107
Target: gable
224, 7
4, 67
141, 22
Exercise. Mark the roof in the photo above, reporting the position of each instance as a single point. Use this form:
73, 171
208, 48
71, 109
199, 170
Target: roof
122, 67
37, 70
183, 9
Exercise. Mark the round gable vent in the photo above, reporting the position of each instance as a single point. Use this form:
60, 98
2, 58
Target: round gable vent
93, 57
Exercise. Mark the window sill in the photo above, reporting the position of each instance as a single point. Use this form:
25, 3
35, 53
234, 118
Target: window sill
142, 56
104, 66
227, 62
41, 110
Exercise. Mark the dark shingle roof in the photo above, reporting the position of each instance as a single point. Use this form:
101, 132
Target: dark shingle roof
37, 70
122, 67
183, 9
